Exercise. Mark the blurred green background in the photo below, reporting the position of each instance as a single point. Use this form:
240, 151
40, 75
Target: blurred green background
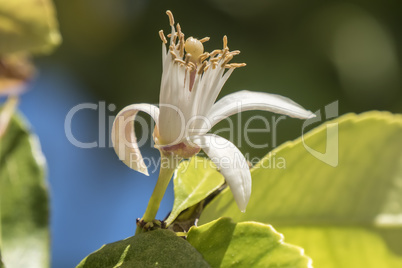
314, 52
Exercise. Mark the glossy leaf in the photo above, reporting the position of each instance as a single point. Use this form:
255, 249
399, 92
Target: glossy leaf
28, 26
159, 248
193, 181
23, 199
341, 215
224, 243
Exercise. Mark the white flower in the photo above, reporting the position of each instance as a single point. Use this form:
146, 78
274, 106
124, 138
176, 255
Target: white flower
191, 82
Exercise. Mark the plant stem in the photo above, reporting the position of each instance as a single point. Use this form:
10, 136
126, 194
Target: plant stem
168, 166
6, 113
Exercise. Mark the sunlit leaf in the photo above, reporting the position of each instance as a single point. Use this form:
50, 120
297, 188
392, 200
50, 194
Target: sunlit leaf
224, 243
28, 26
193, 181
23, 199
344, 215
159, 248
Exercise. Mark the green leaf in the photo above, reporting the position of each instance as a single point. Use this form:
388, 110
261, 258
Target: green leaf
342, 216
1, 261
159, 248
28, 26
193, 181
224, 243
23, 199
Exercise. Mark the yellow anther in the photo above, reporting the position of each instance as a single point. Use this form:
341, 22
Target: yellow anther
205, 39
238, 65
202, 68
181, 39
195, 48
191, 67
225, 52
226, 60
171, 18
225, 41
234, 52
203, 57
180, 61
235, 65
215, 52
215, 59
162, 36
181, 45
173, 54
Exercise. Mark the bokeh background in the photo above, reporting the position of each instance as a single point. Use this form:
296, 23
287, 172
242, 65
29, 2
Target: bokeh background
314, 52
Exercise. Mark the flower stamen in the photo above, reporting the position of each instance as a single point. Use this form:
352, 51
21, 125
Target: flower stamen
225, 51
226, 60
225, 42
191, 67
203, 57
234, 52
202, 67
180, 34
205, 39
182, 62
189, 53
235, 65
162, 36
171, 18
173, 54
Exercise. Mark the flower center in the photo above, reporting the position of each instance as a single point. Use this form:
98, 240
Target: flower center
182, 149
195, 60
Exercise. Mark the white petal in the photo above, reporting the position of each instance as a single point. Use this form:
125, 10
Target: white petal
231, 163
123, 135
249, 100
174, 105
216, 89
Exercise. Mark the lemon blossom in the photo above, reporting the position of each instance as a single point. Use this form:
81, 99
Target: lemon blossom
191, 82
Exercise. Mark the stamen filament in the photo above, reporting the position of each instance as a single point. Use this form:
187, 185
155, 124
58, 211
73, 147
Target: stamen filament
171, 18
215, 52
202, 67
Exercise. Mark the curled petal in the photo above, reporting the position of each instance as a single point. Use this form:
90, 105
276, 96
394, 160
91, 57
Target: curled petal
123, 135
231, 164
248, 100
